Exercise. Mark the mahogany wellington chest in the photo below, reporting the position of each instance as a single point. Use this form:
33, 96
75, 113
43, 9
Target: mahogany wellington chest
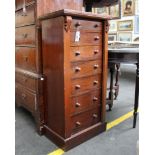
74, 51
29, 77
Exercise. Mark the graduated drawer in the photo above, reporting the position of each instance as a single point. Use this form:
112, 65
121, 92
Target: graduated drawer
25, 97
85, 120
86, 101
82, 85
26, 81
85, 53
78, 24
25, 35
86, 38
25, 18
26, 58
86, 68
20, 3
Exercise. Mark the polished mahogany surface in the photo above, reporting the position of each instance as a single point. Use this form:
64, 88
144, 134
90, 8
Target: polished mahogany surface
75, 72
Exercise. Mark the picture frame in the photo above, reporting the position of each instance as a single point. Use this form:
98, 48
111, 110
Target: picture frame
128, 7
112, 37
125, 25
102, 10
113, 26
136, 25
124, 36
115, 11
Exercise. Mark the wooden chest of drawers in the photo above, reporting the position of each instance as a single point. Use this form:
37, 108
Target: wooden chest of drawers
29, 76
74, 50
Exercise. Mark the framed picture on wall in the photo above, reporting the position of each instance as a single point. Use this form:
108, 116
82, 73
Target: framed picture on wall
124, 36
115, 11
113, 26
128, 7
112, 37
125, 25
136, 28
102, 10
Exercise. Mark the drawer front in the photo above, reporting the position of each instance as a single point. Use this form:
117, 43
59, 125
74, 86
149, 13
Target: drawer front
85, 120
93, 38
81, 69
78, 24
25, 97
85, 53
25, 35
26, 58
20, 3
85, 101
25, 18
85, 84
27, 82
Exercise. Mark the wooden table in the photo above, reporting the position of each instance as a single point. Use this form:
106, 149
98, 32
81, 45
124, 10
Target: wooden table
116, 57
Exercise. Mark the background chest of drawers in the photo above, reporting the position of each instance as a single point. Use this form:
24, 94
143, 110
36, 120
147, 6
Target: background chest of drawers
29, 77
74, 51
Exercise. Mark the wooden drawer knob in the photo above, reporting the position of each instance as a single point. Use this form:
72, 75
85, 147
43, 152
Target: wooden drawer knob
96, 25
77, 53
78, 104
26, 58
25, 35
96, 66
95, 115
78, 124
78, 24
24, 79
77, 87
95, 99
96, 51
23, 96
95, 82
77, 69
96, 37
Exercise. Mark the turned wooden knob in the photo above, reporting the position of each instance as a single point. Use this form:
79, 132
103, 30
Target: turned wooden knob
96, 66
95, 99
77, 53
23, 96
78, 104
95, 115
78, 24
78, 124
25, 35
95, 82
96, 25
96, 51
24, 79
77, 87
96, 37
77, 69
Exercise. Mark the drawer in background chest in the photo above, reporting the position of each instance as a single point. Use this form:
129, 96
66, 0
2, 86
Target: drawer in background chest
25, 35
25, 58
85, 120
86, 101
26, 18
26, 81
25, 97
83, 85
85, 38
86, 68
85, 53
87, 25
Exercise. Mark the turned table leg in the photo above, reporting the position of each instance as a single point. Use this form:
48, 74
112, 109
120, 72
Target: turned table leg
117, 81
136, 96
111, 93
